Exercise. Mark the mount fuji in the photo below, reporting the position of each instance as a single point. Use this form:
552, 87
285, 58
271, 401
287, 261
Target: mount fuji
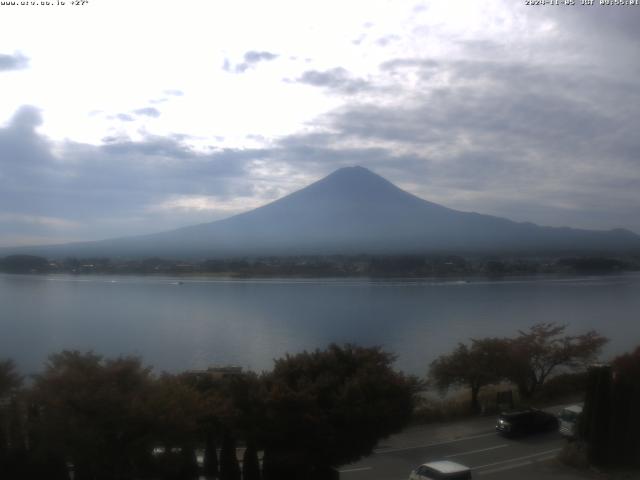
351, 211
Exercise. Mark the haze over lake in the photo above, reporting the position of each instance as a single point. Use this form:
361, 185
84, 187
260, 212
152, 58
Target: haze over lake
184, 323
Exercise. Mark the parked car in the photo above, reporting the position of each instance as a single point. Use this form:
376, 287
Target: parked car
569, 420
524, 422
441, 470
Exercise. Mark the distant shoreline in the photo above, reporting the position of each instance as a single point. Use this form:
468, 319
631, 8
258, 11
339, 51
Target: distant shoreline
336, 266
470, 280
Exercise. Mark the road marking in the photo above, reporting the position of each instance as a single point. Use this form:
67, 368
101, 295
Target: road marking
476, 451
516, 465
462, 439
359, 469
517, 458
508, 467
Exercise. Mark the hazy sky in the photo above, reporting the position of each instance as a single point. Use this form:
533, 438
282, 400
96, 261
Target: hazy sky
124, 117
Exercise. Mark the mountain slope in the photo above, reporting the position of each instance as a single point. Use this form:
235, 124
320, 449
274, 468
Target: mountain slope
353, 210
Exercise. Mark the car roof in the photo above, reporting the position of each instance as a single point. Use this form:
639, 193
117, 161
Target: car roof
446, 466
574, 408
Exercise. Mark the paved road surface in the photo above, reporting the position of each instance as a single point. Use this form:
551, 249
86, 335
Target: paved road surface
473, 443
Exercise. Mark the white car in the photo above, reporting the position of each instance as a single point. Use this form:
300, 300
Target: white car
441, 470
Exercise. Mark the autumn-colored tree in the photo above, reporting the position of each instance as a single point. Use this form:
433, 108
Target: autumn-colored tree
233, 409
96, 412
330, 407
176, 409
216, 407
474, 366
544, 349
627, 367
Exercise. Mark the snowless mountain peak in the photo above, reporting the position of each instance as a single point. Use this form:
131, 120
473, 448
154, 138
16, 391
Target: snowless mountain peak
352, 211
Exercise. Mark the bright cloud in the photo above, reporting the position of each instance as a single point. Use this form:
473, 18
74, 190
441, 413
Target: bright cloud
200, 203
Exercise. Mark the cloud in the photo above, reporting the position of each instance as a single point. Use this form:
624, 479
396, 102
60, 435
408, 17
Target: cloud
205, 203
251, 58
481, 133
255, 57
54, 222
93, 192
17, 61
23, 152
148, 111
131, 116
124, 117
337, 80
480, 119
27, 118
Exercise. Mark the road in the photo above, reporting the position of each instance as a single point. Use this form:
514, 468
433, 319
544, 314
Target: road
473, 443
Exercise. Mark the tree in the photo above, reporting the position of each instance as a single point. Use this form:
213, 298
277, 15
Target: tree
96, 412
176, 408
625, 418
627, 366
595, 422
24, 264
229, 467
12, 432
330, 407
610, 420
250, 463
543, 349
210, 461
233, 407
481, 363
10, 380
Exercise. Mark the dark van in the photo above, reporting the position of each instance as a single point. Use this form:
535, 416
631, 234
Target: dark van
524, 422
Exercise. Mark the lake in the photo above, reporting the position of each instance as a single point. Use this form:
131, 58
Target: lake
183, 323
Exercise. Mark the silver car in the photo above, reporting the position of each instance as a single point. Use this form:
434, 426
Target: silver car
441, 470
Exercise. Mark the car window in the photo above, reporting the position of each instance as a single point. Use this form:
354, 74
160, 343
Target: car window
424, 471
569, 416
543, 416
430, 473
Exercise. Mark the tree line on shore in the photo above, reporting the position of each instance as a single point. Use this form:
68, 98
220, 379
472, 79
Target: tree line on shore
329, 265
107, 419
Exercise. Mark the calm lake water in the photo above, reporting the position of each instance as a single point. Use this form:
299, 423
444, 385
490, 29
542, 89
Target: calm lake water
176, 324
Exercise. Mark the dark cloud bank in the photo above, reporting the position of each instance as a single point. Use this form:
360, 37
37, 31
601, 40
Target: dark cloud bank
110, 189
